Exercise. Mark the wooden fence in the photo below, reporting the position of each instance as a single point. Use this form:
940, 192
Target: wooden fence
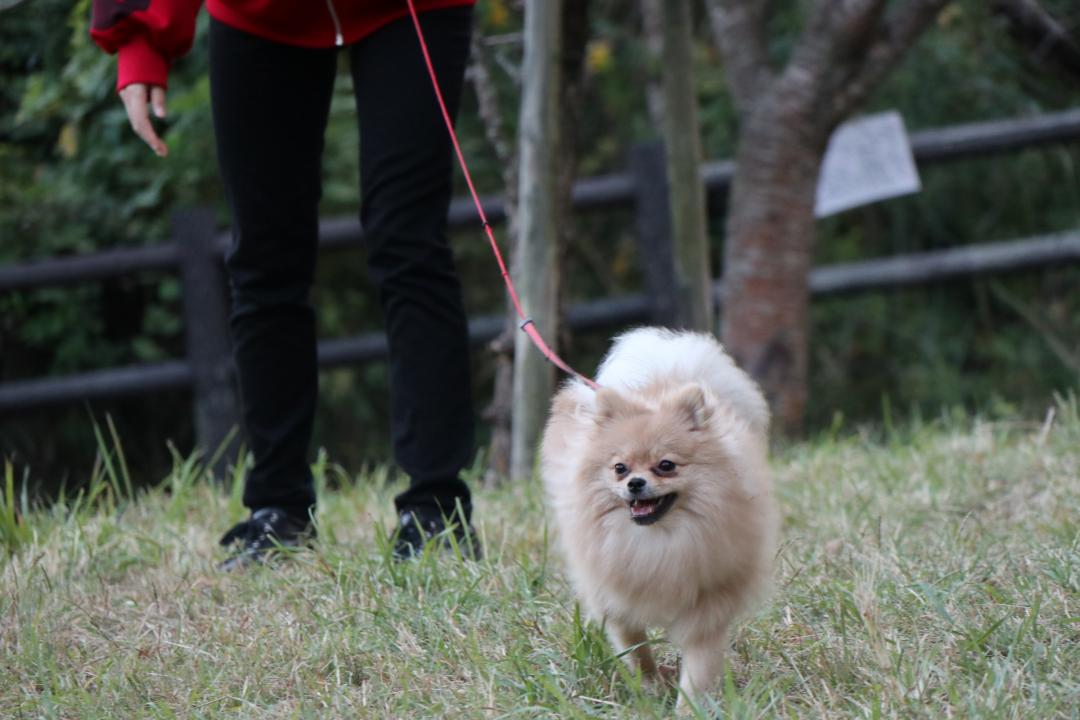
198, 247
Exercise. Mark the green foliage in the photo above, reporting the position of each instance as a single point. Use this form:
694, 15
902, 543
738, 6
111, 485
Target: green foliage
14, 530
74, 178
959, 343
77, 180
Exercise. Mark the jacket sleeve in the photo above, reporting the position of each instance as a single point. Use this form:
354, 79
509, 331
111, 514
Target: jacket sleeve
148, 36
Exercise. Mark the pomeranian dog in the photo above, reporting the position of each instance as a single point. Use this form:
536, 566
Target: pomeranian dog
660, 491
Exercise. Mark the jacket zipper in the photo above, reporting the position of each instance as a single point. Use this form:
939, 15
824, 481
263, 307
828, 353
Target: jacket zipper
339, 39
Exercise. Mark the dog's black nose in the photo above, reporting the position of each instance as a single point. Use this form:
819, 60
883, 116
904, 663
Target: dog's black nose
636, 485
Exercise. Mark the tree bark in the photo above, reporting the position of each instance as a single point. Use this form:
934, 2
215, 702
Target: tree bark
572, 84
498, 413
537, 271
652, 33
843, 54
739, 29
769, 253
682, 141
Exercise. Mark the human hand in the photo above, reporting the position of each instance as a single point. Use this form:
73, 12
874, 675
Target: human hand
135, 98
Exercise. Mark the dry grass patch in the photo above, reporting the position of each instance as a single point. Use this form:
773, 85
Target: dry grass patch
928, 572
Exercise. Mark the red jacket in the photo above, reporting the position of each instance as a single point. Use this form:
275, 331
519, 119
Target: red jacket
150, 34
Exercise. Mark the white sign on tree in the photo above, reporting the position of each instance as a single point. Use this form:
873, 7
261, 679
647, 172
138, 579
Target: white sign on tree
868, 159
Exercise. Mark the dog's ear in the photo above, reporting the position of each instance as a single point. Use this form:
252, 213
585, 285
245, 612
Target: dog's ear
690, 403
611, 405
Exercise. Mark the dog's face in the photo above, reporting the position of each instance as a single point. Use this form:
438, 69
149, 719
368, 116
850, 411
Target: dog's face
655, 462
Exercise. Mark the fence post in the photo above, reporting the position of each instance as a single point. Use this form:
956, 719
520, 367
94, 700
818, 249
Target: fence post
206, 330
648, 167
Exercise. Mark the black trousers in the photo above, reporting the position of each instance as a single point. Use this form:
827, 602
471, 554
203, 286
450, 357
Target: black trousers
270, 106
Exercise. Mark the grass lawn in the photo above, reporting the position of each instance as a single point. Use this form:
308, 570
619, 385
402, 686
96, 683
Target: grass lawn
926, 571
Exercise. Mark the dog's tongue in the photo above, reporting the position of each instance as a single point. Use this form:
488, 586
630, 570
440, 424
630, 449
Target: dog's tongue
641, 508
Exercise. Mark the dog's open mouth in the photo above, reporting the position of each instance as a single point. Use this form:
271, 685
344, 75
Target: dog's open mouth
647, 511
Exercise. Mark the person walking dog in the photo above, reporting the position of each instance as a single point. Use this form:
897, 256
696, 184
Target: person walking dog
272, 67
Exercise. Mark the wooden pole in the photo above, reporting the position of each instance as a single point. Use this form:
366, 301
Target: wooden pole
536, 273
206, 327
653, 220
682, 140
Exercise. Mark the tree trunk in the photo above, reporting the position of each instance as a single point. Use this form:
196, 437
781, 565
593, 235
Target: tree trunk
499, 413
769, 250
537, 271
846, 50
572, 85
682, 141
652, 31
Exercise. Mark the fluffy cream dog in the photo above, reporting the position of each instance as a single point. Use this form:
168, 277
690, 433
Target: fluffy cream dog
659, 486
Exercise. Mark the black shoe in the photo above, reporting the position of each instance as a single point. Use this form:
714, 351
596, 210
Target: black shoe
267, 530
418, 526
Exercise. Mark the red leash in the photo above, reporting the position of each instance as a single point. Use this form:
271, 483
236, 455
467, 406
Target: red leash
526, 322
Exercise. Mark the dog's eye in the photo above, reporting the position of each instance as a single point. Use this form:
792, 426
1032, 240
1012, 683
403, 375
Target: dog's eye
621, 469
666, 466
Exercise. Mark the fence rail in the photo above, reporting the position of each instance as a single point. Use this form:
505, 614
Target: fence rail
879, 274
589, 194
199, 247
